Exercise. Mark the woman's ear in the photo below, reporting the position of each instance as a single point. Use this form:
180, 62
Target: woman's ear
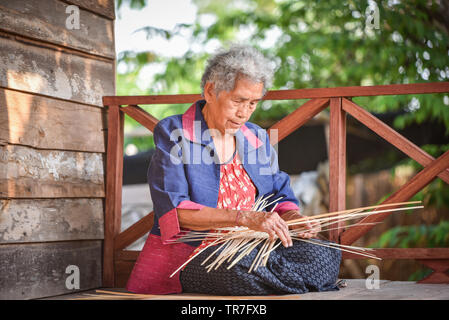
209, 92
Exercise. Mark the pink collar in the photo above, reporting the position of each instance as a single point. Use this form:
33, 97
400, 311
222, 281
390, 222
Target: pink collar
193, 116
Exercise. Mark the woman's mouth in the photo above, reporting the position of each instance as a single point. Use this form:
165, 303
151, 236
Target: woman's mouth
235, 124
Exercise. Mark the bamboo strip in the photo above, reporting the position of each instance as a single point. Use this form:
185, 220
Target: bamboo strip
191, 258
330, 246
257, 256
352, 210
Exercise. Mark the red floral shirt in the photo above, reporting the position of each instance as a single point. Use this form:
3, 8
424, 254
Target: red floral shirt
237, 191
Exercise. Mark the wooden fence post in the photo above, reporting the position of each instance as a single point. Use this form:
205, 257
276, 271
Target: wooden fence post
337, 162
113, 203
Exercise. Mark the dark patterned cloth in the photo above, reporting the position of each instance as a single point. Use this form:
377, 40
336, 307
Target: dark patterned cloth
302, 268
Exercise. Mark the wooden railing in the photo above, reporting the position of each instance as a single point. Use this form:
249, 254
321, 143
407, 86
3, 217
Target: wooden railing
118, 262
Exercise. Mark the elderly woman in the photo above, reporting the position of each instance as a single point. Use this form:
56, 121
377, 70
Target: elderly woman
209, 166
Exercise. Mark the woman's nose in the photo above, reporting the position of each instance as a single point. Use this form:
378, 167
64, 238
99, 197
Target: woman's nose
242, 113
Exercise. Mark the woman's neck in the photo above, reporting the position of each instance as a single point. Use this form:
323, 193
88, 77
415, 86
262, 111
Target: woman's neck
212, 124
224, 143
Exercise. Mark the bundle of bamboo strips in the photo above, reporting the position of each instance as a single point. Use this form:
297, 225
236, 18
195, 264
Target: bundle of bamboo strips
238, 242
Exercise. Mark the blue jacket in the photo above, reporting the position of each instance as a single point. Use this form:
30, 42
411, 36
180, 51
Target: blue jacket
185, 173
185, 170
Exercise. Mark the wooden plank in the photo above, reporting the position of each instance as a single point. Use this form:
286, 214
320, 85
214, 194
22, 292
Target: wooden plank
114, 176
141, 116
126, 255
298, 118
46, 21
53, 73
134, 232
408, 190
47, 123
359, 91
388, 290
314, 93
159, 99
404, 253
31, 173
390, 135
38, 270
102, 7
41, 220
356, 289
337, 163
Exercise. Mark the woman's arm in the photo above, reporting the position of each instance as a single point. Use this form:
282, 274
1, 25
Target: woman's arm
206, 218
209, 218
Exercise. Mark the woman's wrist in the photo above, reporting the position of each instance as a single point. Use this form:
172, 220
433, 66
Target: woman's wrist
291, 214
241, 218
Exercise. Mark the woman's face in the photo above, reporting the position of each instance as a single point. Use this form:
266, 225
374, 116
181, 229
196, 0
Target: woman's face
231, 109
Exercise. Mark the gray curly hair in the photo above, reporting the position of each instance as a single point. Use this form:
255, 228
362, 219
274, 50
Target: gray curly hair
240, 61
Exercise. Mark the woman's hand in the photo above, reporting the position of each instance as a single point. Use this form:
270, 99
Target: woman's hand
312, 227
269, 222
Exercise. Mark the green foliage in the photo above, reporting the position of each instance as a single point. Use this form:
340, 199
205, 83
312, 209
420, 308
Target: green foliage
326, 44
420, 274
320, 44
142, 143
422, 236
134, 4
372, 164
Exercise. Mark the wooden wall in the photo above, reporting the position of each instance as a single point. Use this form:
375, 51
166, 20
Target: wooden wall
52, 143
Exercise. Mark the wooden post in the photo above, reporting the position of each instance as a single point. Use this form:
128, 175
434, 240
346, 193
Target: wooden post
113, 203
337, 162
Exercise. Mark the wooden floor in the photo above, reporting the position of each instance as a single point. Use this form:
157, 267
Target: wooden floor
355, 290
